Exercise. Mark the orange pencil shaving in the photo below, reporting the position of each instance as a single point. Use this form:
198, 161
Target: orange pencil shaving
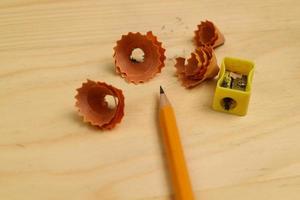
176, 161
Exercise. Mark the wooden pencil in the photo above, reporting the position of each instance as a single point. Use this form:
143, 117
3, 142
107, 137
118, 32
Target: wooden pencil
176, 162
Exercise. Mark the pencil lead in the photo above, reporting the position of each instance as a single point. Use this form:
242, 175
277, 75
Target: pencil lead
161, 90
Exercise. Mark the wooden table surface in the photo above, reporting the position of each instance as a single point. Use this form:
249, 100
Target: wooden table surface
49, 47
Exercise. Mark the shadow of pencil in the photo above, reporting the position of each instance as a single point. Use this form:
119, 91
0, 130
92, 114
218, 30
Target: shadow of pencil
162, 151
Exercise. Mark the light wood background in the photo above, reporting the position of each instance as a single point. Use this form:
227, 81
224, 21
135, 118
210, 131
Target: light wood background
49, 47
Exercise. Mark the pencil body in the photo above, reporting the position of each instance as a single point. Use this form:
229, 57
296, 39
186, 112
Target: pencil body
176, 161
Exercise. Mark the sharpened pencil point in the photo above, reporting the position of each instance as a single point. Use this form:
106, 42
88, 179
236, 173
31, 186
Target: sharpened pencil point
161, 90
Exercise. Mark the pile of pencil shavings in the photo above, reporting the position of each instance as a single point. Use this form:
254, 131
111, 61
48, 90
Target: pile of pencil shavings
91, 99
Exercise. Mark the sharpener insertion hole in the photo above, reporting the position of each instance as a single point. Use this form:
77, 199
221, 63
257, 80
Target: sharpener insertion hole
228, 103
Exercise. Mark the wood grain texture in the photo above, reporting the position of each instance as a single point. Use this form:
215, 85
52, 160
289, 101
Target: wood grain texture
49, 47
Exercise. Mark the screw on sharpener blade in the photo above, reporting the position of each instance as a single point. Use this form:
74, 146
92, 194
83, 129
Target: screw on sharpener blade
234, 81
239, 83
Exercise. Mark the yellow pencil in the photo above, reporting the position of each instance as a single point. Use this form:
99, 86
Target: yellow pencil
180, 178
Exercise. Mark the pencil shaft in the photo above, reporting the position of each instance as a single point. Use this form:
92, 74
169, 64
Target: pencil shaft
176, 161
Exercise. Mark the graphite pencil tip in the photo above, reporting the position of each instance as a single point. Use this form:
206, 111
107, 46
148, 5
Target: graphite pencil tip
161, 90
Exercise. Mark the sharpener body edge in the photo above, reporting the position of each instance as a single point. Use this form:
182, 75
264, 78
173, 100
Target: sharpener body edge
240, 98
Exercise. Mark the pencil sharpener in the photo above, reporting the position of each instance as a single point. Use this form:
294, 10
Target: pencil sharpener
233, 88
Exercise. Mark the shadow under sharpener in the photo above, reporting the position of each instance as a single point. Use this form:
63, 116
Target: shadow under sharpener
233, 95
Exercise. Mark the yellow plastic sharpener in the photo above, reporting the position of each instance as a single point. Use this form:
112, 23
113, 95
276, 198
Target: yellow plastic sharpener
233, 99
